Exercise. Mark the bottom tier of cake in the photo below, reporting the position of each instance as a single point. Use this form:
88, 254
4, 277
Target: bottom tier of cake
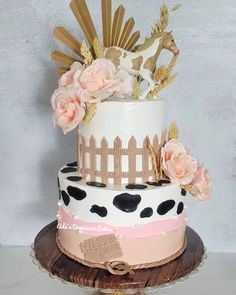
136, 225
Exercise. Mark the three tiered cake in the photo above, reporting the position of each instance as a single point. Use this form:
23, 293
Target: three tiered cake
121, 203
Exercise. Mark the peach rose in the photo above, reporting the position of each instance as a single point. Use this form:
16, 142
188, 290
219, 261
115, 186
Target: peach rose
177, 164
100, 81
68, 78
126, 83
202, 183
68, 109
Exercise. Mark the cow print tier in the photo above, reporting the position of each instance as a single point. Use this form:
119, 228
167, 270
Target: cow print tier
131, 205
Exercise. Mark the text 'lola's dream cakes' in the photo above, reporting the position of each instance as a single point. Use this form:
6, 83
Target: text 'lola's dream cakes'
121, 204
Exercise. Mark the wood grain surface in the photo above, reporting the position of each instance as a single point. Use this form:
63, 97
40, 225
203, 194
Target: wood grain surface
58, 264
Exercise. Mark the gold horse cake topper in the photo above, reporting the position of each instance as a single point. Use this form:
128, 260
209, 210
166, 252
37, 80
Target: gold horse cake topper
119, 46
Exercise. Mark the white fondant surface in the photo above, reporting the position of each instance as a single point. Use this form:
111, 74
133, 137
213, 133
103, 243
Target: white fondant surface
150, 197
125, 118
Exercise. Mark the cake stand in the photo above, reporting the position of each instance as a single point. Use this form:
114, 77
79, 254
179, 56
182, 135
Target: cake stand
48, 256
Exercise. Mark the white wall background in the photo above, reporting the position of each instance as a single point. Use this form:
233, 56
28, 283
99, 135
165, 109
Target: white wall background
202, 101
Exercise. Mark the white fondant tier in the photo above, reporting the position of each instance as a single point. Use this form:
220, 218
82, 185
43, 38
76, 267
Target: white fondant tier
118, 207
112, 147
125, 118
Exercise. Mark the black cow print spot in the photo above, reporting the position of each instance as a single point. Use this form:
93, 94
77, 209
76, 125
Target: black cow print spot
74, 178
74, 164
76, 193
154, 183
59, 188
97, 184
126, 202
65, 197
147, 212
101, 211
68, 170
180, 208
136, 186
165, 206
183, 192
164, 181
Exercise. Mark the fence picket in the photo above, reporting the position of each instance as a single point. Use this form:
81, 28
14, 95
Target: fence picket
116, 152
145, 160
132, 160
117, 160
92, 159
104, 161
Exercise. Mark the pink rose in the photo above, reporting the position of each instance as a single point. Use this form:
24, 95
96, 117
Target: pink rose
100, 81
177, 164
68, 78
68, 109
126, 83
202, 183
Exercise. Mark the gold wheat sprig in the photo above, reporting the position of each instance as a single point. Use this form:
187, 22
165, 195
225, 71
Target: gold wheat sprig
154, 158
88, 58
98, 48
171, 66
136, 89
90, 112
189, 188
163, 85
173, 131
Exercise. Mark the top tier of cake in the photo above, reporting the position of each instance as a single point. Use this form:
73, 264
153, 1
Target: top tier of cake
112, 147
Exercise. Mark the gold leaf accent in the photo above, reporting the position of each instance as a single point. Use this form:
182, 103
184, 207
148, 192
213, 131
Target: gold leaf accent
163, 85
62, 70
176, 7
188, 188
117, 23
132, 41
98, 48
63, 58
82, 15
126, 32
90, 112
69, 40
88, 58
136, 91
154, 158
106, 22
173, 131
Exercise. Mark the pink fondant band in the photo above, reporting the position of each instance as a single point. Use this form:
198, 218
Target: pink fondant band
66, 221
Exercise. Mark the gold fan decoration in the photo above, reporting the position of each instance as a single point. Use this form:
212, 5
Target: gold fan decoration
115, 33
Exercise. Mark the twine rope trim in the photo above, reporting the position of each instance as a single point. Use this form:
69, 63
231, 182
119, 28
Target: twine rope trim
121, 267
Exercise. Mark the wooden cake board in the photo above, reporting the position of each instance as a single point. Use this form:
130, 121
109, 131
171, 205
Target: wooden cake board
58, 264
